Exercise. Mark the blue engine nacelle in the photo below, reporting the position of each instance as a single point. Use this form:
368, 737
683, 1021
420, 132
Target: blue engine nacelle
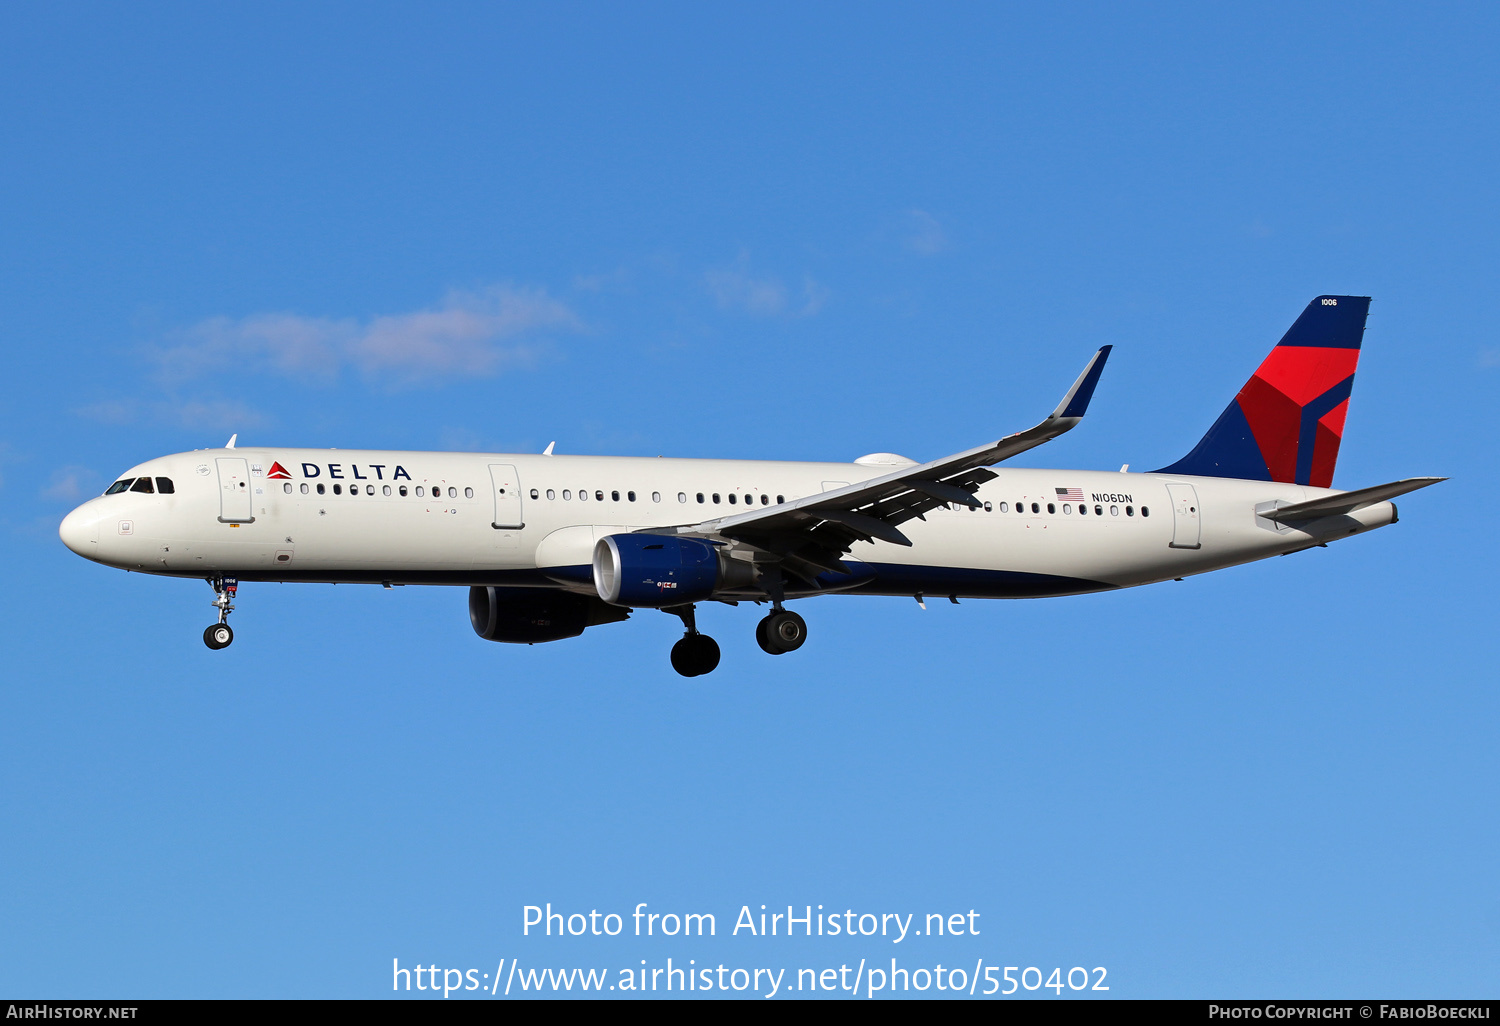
528, 616
657, 570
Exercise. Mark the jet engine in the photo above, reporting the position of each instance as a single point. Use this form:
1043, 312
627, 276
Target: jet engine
526, 616
660, 570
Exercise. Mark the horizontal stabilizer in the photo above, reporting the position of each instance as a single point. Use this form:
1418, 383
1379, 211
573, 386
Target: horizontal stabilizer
1348, 502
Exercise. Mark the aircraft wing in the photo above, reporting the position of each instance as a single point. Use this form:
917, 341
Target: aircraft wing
810, 534
1348, 502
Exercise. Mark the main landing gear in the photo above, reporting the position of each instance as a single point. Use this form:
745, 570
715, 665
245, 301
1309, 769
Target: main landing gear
781, 632
218, 635
695, 654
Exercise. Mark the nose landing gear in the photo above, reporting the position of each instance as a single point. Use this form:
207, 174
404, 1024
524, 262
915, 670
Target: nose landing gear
694, 654
219, 635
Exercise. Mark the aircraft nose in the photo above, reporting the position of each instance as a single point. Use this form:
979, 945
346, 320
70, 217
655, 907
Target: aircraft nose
79, 531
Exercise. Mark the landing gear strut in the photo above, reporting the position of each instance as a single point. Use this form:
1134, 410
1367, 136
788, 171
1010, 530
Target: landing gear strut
218, 635
694, 654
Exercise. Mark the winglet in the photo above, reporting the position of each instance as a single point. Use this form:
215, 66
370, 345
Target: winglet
548, 451
1076, 402
230, 444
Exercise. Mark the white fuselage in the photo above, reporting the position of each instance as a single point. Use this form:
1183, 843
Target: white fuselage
533, 521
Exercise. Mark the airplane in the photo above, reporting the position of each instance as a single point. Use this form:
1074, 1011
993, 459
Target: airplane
551, 545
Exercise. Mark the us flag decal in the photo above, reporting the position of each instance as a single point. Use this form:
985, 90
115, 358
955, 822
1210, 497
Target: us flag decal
1063, 494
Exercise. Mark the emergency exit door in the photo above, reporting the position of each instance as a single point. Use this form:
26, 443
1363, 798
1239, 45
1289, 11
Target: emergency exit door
1186, 523
506, 487
234, 490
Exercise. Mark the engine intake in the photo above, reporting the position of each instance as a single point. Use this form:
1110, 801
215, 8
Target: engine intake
659, 570
525, 616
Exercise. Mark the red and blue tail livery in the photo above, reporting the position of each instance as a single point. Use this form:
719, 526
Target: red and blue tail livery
1286, 423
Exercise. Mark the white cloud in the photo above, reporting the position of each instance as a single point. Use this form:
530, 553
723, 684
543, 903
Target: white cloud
468, 334
197, 413
734, 288
925, 236
70, 484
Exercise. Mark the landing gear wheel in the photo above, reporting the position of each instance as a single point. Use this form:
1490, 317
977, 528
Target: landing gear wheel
695, 654
218, 636
763, 639
781, 632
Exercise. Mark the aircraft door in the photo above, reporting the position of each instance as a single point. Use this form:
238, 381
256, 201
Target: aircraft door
234, 490
506, 486
1186, 522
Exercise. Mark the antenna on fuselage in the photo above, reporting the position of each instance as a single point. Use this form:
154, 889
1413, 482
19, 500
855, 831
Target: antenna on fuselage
230, 444
548, 451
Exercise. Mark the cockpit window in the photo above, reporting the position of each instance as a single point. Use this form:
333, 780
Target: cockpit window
142, 485
119, 486
164, 486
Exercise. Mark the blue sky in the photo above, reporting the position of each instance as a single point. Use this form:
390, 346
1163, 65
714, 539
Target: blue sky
780, 232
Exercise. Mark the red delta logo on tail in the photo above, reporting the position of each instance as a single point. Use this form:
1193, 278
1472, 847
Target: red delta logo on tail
1287, 422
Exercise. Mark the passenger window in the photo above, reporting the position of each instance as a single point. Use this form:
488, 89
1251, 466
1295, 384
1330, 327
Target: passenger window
599, 496
1098, 511
716, 498
303, 488
700, 498
143, 485
1035, 508
119, 486
630, 496
469, 492
1005, 507
1051, 508
164, 486
385, 489
1145, 512
1067, 507
732, 498
682, 496
765, 500
287, 488
337, 489
989, 508
1114, 511
401, 491
1083, 510
656, 496
582, 495
613, 497
320, 488
535, 494
551, 494
567, 495
1130, 511
779, 500
369, 489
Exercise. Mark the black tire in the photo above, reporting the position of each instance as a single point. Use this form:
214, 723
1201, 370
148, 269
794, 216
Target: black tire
695, 654
786, 631
218, 636
763, 637
707, 655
